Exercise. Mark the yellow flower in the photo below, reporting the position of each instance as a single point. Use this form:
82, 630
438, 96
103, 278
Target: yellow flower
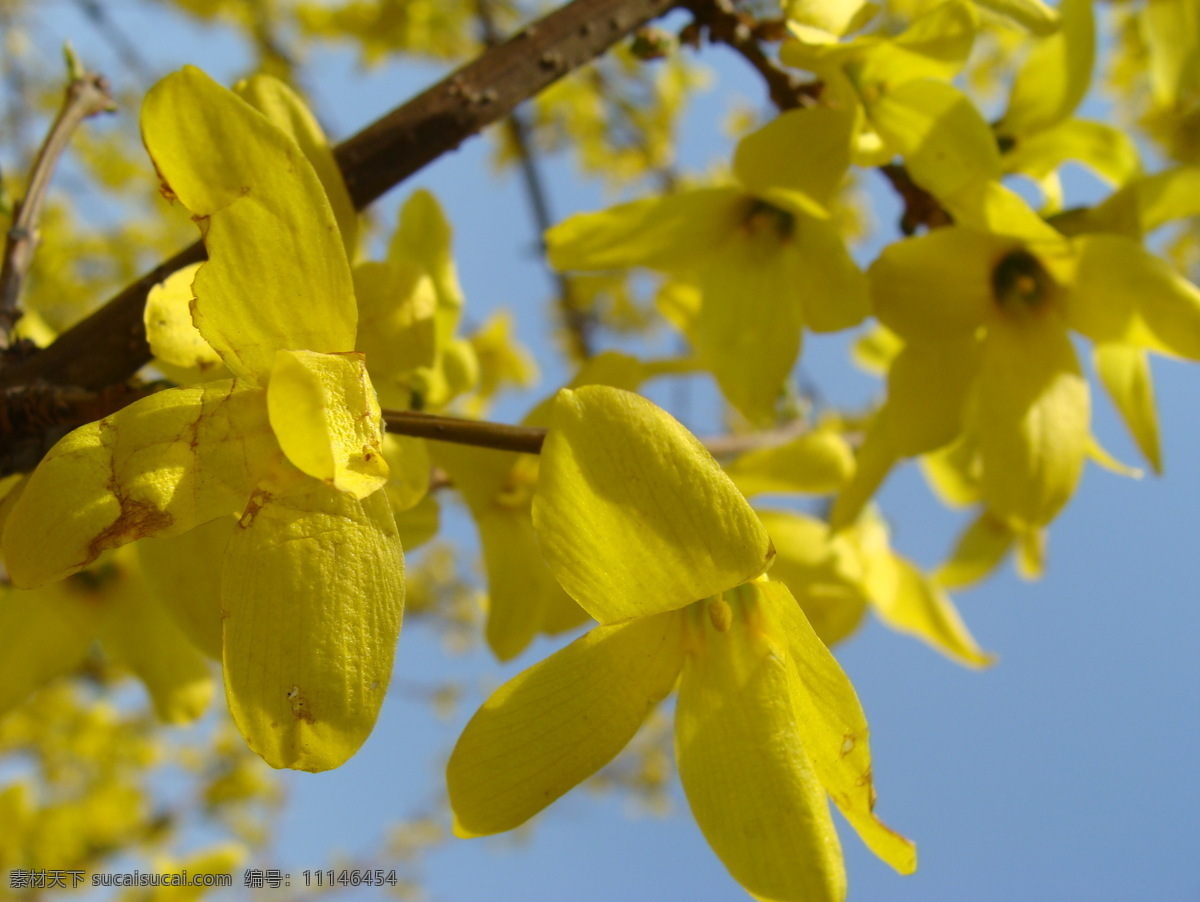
312, 576
985, 310
837, 577
766, 257
48, 632
638, 522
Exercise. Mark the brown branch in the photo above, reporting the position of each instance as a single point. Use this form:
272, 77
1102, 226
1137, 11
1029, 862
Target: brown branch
920, 207
34, 417
110, 345
480, 433
739, 31
86, 95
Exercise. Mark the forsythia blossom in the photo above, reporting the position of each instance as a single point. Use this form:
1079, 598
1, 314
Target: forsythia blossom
642, 528
312, 576
766, 255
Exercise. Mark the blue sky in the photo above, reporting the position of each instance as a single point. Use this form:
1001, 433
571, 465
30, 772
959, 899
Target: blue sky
1067, 771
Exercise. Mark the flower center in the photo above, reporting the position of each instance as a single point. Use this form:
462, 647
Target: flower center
764, 218
1019, 282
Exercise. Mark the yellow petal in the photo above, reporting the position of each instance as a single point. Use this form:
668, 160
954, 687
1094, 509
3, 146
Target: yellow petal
1032, 14
980, 549
557, 723
1032, 420
1107, 150
179, 349
277, 275
928, 388
665, 233
397, 327
745, 759
610, 368
918, 607
938, 284
1125, 294
1147, 203
423, 236
832, 292
935, 45
806, 151
417, 525
1031, 553
929, 385
408, 470
875, 350
834, 16
1168, 28
503, 361
945, 141
747, 331
1102, 457
285, 109
312, 594
835, 729
140, 633
823, 572
633, 515
953, 471
1125, 374
160, 466
522, 592
999, 211
874, 461
1055, 76
327, 420
819, 462
45, 632
183, 577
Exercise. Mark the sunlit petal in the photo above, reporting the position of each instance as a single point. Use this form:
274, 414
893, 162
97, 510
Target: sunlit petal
633, 515
835, 728
744, 760
1125, 373
270, 232
1056, 74
668, 232
1032, 420
326, 417
285, 109
160, 466
560, 721
312, 594
1125, 294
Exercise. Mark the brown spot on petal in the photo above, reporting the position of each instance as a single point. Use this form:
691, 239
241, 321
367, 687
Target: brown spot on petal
299, 705
136, 521
253, 506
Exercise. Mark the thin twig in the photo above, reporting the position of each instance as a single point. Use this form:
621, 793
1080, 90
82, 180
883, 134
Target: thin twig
110, 345
579, 323
529, 439
736, 30
480, 433
87, 94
